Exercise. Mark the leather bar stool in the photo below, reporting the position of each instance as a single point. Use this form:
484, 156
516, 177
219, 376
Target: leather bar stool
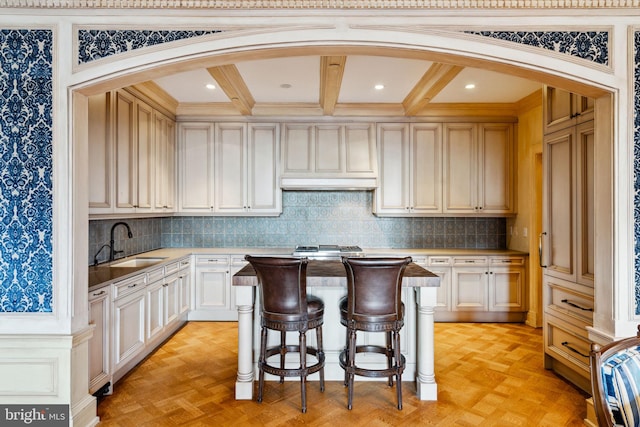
285, 307
373, 304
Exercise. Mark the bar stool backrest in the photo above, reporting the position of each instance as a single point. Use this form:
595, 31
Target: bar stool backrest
283, 284
374, 286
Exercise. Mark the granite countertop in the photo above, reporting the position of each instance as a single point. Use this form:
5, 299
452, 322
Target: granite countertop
104, 274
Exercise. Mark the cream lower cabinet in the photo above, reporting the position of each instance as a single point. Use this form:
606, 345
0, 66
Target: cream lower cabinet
214, 298
482, 289
128, 323
100, 343
155, 307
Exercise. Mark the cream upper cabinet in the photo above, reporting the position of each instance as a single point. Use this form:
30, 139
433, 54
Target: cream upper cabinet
125, 151
564, 109
195, 152
165, 163
264, 195
131, 156
246, 179
101, 154
229, 168
478, 168
410, 157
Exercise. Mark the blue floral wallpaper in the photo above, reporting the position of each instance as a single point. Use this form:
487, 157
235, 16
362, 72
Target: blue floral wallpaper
636, 164
590, 45
96, 44
26, 201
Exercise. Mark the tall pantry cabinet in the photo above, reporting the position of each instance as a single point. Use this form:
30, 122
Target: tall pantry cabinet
567, 240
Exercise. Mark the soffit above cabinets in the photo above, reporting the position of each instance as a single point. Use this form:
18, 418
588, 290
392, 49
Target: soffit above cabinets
340, 86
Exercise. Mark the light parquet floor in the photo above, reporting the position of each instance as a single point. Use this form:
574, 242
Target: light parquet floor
487, 374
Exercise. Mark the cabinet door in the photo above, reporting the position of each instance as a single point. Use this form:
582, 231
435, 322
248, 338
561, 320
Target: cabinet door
565, 109
165, 147
392, 196
585, 209
460, 168
185, 290
559, 202
426, 170
155, 309
328, 149
230, 167
213, 291
495, 168
129, 328
126, 168
171, 295
469, 289
263, 193
360, 149
145, 157
297, 151
100, 154
506, 289
99, 348
196, 167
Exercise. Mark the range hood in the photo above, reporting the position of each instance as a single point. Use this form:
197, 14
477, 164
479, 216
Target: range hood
327, 184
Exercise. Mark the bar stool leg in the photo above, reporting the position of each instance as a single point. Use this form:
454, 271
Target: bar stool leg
398, 361
262, 361
283, 351
320, 353
351, 366
389, 352
303, 366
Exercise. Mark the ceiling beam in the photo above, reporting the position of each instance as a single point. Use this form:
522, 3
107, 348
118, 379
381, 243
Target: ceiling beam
231, 82
437, 77
331, 71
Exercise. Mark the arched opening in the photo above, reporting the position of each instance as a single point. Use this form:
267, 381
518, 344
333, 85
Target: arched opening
538, 67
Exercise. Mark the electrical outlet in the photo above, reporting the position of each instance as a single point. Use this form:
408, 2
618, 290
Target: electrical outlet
525, 232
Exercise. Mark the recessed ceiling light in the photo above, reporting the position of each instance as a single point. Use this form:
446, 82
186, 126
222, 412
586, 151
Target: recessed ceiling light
379, 87
211, 86
470, 86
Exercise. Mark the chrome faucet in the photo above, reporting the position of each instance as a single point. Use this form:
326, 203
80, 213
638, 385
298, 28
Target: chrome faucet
113, 252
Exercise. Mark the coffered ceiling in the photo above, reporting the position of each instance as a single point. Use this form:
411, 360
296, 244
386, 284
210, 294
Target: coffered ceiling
340, 85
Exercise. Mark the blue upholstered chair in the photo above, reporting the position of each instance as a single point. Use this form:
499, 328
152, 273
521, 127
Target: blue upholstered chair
615, 382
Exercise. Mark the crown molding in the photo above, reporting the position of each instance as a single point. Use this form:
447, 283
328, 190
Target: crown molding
320, 4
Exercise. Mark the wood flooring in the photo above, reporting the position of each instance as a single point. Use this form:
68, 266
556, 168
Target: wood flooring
487, 375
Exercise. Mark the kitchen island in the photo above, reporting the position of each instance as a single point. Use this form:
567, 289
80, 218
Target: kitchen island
327, 280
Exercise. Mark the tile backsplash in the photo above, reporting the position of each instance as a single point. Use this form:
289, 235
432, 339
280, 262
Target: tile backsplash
308, 217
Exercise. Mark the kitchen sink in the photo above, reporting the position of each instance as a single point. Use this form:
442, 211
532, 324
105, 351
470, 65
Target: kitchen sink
138, 262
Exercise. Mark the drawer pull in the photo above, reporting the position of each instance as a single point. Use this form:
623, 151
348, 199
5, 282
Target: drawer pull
102, 292
566, 301
566, 344
132, 286
469, 261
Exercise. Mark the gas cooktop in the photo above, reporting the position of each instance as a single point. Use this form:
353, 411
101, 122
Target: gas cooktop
327, 251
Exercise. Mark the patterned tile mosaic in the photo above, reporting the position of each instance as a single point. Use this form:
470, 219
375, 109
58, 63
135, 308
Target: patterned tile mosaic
146, 237
26, 169
324, 217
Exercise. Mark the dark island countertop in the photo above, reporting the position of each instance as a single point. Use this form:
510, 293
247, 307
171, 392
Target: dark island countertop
332, 273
